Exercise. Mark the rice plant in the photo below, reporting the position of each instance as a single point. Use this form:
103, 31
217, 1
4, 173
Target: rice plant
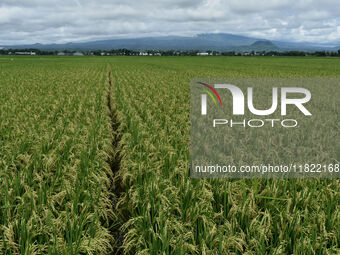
94, 159
168, 212
54, 176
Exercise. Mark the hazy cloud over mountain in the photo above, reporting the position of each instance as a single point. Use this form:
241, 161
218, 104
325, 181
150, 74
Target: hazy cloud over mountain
52, 21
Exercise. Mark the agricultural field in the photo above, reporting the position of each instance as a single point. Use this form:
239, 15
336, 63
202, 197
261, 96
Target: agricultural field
94, 159
54, 175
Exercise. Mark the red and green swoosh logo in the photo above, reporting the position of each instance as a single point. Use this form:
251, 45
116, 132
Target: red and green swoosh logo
209, 93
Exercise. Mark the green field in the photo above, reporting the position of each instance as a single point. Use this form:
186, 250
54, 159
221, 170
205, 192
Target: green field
94, 159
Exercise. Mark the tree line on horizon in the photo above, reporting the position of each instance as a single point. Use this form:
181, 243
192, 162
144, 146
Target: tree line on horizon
127, 52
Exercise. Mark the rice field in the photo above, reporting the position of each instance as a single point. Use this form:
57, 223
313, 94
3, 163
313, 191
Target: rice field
94, 159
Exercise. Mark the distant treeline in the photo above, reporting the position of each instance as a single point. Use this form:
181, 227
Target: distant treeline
22, 51
126, 52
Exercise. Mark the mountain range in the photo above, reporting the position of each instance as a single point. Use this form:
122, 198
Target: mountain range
202, 42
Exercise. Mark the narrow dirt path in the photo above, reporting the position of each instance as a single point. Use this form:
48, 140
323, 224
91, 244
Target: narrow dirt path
114, 162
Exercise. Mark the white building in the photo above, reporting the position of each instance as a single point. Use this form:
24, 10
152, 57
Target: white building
78, 54
25, 53
203, 54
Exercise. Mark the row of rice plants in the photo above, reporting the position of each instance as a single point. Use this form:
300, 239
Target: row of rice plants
169, 213
54, 139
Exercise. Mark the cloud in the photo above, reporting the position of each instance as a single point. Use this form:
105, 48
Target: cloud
58, 21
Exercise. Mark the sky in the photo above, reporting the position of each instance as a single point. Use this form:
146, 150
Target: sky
60, 21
